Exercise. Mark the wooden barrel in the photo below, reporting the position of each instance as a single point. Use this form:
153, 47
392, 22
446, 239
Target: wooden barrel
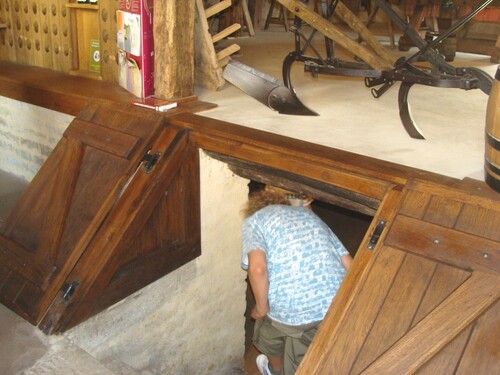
492, 151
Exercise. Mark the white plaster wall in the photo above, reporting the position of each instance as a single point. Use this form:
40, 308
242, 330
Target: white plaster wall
28, 134
192, 320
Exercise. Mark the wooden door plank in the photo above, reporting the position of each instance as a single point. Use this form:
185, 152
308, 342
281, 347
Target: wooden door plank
22, 261
124, 224
89, 206
102, 138
444, 281
92, 203
483, 351
446, 308
415, 204
121, 116
20, 224
472, 298
404, 297
48, 231
443, 211
451, 193
97, 260
368, 303
480, 220
445, 361
341, 308
61, 195
169, 238
460, 249
139, 273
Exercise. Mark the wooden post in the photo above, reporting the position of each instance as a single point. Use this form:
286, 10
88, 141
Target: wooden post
174, 48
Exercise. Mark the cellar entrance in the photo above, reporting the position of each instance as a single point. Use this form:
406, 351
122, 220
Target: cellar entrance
422, 293
348, 225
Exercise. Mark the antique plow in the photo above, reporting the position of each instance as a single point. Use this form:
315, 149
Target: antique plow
373, 61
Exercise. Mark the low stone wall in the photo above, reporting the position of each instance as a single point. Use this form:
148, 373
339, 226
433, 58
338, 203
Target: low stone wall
28, 134
189, 322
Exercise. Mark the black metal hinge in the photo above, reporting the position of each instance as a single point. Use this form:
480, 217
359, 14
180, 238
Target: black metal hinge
376, 234
68, 290
150, 160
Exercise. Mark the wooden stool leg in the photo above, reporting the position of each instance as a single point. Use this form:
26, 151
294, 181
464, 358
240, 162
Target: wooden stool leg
282, 17
269, 14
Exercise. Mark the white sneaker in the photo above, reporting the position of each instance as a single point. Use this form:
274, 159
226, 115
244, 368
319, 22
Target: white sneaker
263, 364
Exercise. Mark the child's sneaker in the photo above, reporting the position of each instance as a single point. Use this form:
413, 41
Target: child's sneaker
263, 364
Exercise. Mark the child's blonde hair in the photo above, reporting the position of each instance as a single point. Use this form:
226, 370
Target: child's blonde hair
263, 198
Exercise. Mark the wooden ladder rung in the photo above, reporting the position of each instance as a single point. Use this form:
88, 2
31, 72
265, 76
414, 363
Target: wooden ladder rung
227, 51
222, 63
216, 8
227, 31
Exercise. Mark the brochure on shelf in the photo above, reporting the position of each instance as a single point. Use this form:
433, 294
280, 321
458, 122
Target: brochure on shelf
136, 46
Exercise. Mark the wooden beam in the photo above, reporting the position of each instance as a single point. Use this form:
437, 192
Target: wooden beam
248, 19
56, 91
174, 48
320, 191
355, 24
364, 175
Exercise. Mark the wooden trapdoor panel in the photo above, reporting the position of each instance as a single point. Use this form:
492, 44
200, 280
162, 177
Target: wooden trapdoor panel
427, 302
47, 232
152, 229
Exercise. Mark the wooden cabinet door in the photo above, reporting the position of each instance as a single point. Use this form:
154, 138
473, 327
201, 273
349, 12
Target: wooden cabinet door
76, 189
426, 298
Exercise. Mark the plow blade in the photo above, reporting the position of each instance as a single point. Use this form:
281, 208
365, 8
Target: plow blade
266, 89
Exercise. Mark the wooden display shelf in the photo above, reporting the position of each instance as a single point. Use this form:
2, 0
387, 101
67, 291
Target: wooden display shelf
85, 73
69, 93
83, 6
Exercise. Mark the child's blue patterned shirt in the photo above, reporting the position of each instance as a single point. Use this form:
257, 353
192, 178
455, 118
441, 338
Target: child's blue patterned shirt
303, 260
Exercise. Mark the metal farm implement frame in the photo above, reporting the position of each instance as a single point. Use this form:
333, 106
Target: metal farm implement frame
373, 61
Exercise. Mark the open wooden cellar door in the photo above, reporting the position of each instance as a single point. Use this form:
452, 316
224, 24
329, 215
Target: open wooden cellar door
422, 296
115, 207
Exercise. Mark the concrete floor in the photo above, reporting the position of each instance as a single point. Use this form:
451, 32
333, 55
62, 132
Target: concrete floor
350, 119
